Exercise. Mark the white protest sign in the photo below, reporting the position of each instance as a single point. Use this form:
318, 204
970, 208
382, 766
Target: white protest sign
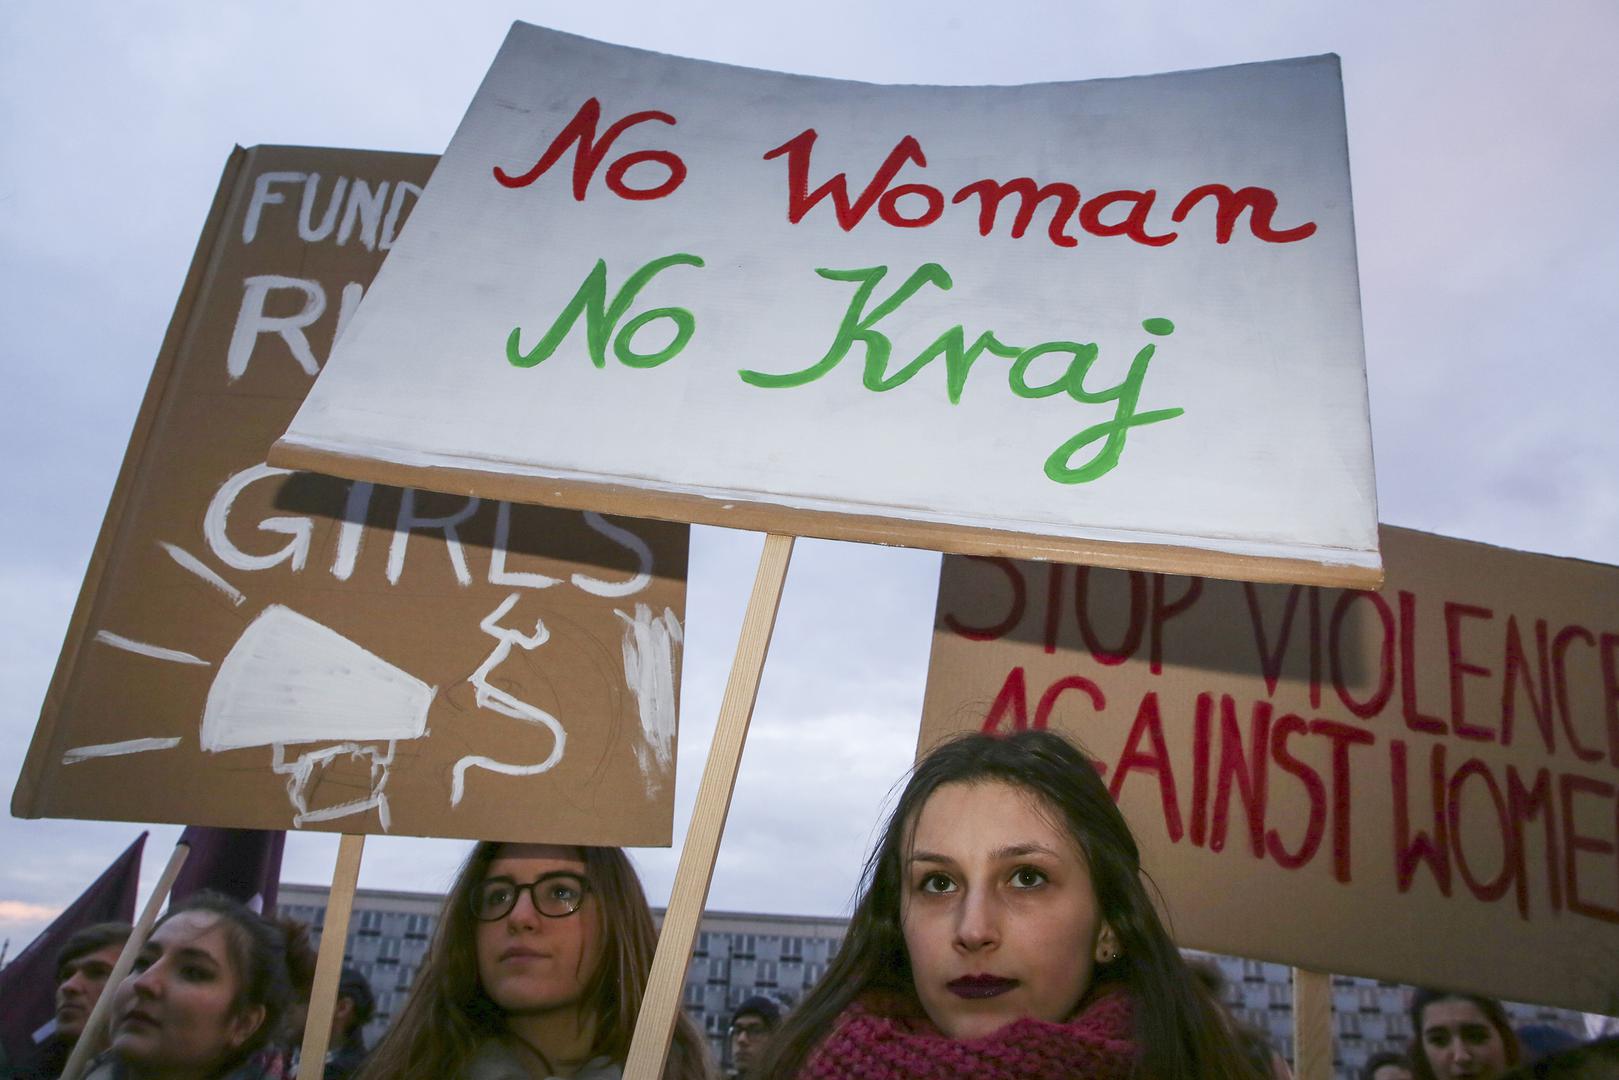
1115, 321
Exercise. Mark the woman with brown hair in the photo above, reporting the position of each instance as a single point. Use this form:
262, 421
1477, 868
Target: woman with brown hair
1004, 931
537, 970
208, 989
1458, 1035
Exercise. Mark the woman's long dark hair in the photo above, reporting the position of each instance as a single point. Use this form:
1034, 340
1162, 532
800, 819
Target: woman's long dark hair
1492, 1010
1179, 1031
448, 1014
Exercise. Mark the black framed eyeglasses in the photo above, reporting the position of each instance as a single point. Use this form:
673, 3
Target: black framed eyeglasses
554, 895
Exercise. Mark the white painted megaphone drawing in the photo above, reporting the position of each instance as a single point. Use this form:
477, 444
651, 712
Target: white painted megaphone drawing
290, 680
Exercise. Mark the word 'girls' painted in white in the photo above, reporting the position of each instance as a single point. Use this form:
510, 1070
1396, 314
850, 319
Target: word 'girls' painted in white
294, 552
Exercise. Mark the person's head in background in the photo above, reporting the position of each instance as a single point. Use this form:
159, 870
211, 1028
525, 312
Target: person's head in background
1460, 1035
540, 960
207, 990
355, 1007
1006, 890
751, 1027
82, 966
1387, 1065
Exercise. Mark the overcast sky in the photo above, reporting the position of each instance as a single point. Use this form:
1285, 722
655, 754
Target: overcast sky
1484, 166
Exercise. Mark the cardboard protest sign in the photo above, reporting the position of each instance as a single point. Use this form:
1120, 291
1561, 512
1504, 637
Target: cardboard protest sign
1113, 321
1418, 784
262, 649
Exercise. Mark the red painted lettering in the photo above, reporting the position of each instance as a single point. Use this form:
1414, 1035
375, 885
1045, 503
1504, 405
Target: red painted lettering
1270, 658
1335, 651
888, 206
1030, 196
1162, 613
1014, 698
1610, 692
1575, 842
1248, 768
1343, 736
1415, 718
1285, 728
800, 200
1134, 224
1014, 615
1149, 725
1048, 700
1454, 613
1053, 603
1524, 804
588, 155
1261, 204
1496, 887
1560, 644
1202, 751
1132, 633
1411, 850
1515, 668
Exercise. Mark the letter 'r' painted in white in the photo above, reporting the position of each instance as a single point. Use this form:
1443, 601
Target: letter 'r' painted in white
252, 322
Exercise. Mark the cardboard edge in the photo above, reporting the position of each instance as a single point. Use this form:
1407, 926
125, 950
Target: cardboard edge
27, 794
762, 516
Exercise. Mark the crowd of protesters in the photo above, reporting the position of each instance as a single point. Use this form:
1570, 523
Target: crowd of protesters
1003, 931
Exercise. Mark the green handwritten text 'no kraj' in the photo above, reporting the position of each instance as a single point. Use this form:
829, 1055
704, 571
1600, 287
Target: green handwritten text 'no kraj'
602, 317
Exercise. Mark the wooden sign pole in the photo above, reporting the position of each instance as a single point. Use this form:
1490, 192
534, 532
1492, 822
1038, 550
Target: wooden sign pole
94, 1037
334, 936
655, 1026
1312, 1025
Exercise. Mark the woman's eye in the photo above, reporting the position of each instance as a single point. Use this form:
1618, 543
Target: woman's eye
935, 883
1438, 1038
196, 973
564, 891
496, 895
1027, 877
142, 962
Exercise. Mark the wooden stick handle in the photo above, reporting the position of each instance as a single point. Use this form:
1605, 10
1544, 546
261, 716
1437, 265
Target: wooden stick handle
655, 1026
94, 1037
334, 936
1312, 1025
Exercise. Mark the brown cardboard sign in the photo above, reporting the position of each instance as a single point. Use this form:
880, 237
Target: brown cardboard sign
254, 647
1419, 784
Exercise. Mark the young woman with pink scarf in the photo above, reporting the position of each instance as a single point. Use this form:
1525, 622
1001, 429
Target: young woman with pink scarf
1004, 932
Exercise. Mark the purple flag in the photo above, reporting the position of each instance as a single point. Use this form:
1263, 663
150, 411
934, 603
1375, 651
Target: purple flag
241, 863
28, 983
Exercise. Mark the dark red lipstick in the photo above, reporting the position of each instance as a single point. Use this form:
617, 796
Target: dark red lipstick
980, 986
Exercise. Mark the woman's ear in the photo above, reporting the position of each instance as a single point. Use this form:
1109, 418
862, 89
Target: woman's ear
241, 1026
1108, 948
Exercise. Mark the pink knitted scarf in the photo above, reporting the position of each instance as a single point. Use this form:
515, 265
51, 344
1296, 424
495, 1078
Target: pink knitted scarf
1097, 1044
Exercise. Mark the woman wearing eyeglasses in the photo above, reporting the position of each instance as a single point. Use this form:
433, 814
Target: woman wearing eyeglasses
536, 971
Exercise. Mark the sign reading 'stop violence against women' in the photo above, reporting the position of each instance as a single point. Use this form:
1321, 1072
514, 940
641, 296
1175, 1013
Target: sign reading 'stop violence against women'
1115, 321
1419, 784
